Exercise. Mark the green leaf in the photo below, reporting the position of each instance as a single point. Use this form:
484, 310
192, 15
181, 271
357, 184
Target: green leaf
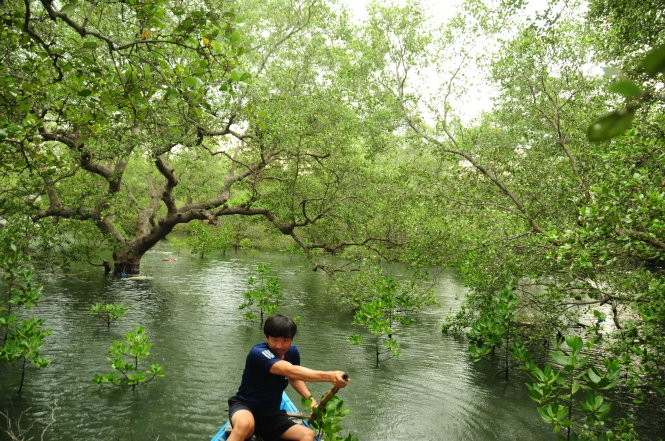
593, 376
655, 61
234, 37
11, 130
70, 7
194, 82
576, 386
85, 92
560, 358
90, 45
626, 88
575, 343
611, 125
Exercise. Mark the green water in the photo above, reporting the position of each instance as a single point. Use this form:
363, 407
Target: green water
189, 308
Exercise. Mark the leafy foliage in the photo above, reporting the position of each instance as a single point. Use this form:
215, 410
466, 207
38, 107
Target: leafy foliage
135, 118
125, 358
380, 303
21, 340
203, 240
263, 296
110, 312
326, 421
619, 121
520, 197
572, 392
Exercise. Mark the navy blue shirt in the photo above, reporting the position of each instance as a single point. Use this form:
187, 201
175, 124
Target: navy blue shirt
259, 387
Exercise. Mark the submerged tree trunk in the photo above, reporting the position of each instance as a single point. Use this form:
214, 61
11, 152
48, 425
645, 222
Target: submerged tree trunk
127, 259
124, 267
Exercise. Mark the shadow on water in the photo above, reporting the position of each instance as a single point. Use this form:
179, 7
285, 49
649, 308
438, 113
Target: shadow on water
189, 308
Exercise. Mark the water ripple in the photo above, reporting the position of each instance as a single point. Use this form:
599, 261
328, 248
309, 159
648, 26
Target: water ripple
190, 310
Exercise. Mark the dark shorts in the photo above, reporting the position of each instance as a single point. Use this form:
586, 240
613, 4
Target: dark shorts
269, 424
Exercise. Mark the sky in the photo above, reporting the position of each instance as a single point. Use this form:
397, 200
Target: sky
471, 105
440, 10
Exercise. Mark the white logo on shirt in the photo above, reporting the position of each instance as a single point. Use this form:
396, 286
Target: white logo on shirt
268, 354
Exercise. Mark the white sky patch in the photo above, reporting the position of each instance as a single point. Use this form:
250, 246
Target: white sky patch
478, 98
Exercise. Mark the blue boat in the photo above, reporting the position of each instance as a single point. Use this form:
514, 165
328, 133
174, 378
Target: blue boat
286, 405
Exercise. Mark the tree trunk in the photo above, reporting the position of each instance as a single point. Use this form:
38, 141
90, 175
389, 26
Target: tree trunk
126, 263
127, 259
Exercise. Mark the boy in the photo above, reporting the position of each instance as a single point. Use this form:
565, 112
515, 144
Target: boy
269, 368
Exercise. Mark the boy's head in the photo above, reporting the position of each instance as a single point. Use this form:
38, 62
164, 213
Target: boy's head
280, 326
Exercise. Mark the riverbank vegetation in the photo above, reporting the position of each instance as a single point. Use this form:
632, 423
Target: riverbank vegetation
288, 124
21, 334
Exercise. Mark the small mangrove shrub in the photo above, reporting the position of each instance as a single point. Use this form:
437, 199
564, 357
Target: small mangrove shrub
126, 358
244, 244
495, 329
263, 296
109, 312
326, 422
20, 340
572, 392
375, 315
381, 303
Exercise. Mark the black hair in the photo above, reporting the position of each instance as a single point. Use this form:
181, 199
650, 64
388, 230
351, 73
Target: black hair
280, 326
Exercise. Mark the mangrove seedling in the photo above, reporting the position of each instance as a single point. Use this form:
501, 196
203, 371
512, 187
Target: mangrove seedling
495, 328
125, 358
263, 296
326, 421
110, 312
19, 342
380, 304
572, 392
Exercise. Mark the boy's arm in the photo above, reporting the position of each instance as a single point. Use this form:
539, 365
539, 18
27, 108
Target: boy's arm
296, 372
303, 390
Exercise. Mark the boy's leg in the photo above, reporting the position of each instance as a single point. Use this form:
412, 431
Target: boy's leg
299, 433
242, 422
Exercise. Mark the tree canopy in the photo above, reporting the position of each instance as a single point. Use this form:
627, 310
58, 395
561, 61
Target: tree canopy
120, 121
134, 117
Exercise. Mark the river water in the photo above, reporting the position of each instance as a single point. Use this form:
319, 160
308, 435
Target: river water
189, 308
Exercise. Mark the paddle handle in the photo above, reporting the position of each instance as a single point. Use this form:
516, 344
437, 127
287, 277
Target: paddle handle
330, 394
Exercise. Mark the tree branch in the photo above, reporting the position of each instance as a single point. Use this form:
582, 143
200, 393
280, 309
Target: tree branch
644, 237
166, 192
293, 31
516, 201
113, 47
42, 43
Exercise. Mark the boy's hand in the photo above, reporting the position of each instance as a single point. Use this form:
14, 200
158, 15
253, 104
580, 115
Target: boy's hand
341, 379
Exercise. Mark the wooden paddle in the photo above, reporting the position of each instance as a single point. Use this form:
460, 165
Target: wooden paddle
331, 393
